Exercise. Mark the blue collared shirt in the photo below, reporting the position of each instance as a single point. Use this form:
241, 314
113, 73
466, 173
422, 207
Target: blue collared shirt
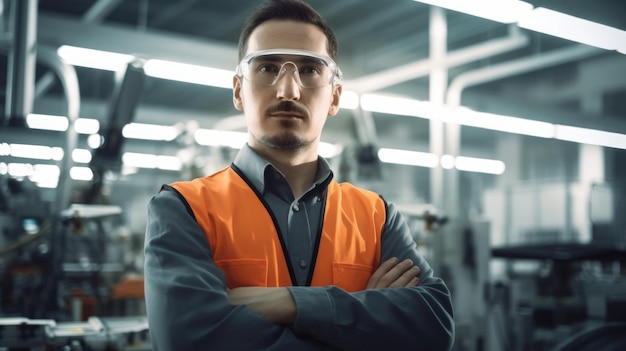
299, 220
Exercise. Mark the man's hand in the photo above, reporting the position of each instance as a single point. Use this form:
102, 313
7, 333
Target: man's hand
394, 274
275, 304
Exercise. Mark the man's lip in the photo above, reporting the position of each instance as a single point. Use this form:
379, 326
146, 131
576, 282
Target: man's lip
286, 114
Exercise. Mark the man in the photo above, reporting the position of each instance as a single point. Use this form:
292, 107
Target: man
271, 253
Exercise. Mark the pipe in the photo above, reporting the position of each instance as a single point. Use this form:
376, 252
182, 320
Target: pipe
422, 68
95, 14
515, 67
365, 127
173, 10
44, 84
21, 63
100, 10
69, 80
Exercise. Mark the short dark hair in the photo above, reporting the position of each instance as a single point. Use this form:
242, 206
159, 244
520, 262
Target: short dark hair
295, 10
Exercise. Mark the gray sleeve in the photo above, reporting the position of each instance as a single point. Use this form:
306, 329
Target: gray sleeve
186, 300
419, 317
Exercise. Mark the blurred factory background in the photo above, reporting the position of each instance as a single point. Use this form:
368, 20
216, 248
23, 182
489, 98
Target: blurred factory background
500, 134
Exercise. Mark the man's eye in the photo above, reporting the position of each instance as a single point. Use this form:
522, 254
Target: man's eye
310, 70
267, 68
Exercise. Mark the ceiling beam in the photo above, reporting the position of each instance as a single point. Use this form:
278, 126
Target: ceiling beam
60, 30
422, 68
99, 10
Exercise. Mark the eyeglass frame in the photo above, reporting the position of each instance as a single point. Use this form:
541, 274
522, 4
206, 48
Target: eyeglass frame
336, 78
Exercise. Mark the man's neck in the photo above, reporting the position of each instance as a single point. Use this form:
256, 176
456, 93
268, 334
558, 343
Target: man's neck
300, 168
300, 177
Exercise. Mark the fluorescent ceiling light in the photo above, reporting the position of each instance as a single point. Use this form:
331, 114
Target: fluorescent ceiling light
38, 152
61, 123
81, 173
509, 124
189, 73
349, 100
169, 163
45, 176
406, 157
481, 165
447, 161
49, 183
573, 28
128, 170
47, 122
504, 11
389, 104
20, 170
423, 159
98, 59
149, 132
590, 136
468, 117
112, 61
86, 126
400, 106
81, 156
139, 160
94, 141
5, 149
211, 137
328, 150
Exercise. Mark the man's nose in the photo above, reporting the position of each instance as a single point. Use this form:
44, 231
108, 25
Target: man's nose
288, 82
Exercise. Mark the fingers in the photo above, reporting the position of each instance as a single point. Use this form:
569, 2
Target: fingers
407, 277
384, 268
394, 274
413, 282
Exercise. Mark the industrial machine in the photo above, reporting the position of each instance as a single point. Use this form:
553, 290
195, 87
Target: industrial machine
558, 291
65, 287
111, 334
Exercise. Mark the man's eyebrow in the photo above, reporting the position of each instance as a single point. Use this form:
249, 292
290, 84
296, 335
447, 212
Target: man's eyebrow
274, 58
296, 58
311, 59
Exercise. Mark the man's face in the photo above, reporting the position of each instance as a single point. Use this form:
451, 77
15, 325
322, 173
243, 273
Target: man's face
286, 116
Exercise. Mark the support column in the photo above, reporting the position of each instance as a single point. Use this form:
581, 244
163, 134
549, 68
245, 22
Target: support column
21, 63
591, 169
438, 83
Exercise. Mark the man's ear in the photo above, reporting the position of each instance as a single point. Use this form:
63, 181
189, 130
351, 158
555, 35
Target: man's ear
237, 99
334, 103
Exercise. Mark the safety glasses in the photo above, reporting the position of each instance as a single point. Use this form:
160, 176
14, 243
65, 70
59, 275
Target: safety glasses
310, 69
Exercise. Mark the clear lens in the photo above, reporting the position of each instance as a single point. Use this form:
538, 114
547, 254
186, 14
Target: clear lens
268, 67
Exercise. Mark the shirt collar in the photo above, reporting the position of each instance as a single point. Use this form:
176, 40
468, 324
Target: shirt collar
254, 167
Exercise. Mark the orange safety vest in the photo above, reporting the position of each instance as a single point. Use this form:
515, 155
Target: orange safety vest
247, 247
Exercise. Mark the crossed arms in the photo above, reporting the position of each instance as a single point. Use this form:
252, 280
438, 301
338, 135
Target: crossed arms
190, 308
278, 306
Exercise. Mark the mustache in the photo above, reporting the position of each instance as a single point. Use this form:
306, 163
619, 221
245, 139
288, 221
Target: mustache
286, 106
